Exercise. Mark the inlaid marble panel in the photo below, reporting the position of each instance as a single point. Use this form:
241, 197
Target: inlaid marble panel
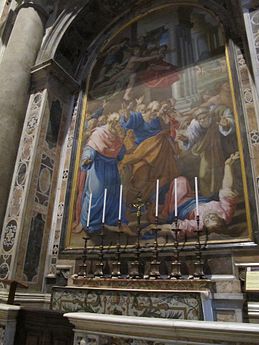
21, 183
176, 305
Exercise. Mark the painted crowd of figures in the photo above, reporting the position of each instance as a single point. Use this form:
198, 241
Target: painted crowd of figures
142, 142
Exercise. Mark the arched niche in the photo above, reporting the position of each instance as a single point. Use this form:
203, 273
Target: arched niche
207, 53
69, 82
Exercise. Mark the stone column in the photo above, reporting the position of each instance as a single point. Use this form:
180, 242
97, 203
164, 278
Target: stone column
19, 57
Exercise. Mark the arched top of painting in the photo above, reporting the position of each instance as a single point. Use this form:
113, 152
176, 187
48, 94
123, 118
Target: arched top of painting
95, 24
154, 49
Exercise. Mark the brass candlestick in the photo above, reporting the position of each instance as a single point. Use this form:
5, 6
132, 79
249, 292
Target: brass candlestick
155, 263
176, 263
135, 264
199, 263
99, 266
83, 268
116, 265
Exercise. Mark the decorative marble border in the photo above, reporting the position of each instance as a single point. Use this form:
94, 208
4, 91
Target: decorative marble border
250, 107
254, 19
42, 190
185, 284
20, 185
62, 187
156, 304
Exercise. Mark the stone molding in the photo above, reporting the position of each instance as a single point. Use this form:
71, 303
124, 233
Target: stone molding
162, 330
39, 300
41, 73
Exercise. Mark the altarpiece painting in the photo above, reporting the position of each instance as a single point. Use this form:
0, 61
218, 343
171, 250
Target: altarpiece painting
160, 107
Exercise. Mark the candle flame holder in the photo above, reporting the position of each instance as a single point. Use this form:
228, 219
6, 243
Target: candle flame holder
134, 272
83, 268
99, 266
116, 265
199, 246
155, 263
176, 263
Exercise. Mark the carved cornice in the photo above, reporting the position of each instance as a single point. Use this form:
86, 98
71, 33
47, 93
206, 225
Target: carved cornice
42, 72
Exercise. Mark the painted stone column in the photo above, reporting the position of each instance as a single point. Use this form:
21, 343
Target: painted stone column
19, 57
187, 88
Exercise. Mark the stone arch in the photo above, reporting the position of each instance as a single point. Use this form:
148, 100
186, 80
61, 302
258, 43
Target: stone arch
58, 30
69, 20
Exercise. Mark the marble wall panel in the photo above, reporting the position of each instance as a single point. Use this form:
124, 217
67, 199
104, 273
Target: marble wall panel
20, 185
175, 305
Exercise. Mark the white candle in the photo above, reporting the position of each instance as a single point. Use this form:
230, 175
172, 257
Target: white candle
120, 202
175, 197
196, 196
89, 210
104, 204
157, 195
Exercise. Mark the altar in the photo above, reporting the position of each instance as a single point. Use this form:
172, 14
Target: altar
169, 299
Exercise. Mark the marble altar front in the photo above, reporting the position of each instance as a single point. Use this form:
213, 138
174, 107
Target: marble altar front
186, 300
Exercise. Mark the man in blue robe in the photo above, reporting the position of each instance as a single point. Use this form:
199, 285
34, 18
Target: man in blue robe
145, 125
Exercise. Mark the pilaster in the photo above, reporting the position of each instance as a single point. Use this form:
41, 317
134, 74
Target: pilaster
30, 207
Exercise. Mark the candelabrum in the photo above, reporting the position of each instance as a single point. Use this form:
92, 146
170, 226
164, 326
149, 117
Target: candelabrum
99, 266
134, 272
178, 248
199, 246
155, 263
116, 265
83, 268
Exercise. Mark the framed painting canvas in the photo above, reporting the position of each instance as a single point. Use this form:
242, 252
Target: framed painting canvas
161, 111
